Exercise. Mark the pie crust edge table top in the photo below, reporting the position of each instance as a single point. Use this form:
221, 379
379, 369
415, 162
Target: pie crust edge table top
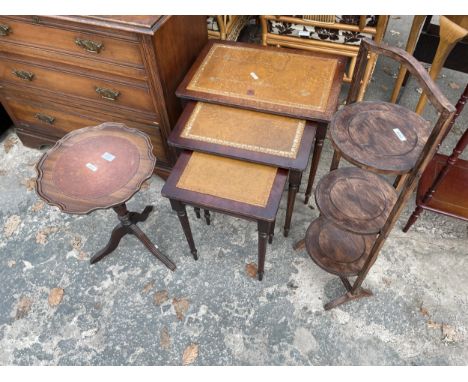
263, 78
95, 167
245, 134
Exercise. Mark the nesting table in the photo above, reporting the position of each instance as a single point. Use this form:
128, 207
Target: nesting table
238, 188
100, 167
293, 83
269, 139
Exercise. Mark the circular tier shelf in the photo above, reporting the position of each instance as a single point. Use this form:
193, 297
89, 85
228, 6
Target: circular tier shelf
337, 251
379, 136
355, 200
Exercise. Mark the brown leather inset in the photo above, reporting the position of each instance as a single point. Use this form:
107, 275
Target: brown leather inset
245, 129
226, 178
276, 77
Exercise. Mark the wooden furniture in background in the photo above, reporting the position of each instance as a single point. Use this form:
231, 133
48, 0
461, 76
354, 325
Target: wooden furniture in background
443, 187
226, 27
240, 189
452, 29
293, 83
100, 167
358, 208
61, 73
250, 136
334, 34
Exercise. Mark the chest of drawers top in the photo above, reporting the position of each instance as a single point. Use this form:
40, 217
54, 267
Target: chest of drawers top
104, 43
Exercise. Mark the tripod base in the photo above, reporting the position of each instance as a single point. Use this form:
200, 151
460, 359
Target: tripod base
360, 293
126, 226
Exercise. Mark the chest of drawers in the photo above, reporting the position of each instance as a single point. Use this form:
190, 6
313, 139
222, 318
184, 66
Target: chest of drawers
61, 73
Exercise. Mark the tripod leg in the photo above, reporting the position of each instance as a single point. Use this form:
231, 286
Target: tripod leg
117, 233
152, 248
136, 217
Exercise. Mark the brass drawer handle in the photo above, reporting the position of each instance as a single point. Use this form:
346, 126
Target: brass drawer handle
4, 30
45, 118
107, 93
28, 76
89, 46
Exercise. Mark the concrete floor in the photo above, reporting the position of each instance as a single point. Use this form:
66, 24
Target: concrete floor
129, 309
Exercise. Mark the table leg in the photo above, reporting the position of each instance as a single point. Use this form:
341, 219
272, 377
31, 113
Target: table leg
272, 233
264, 229
197, 212
126, 226
207, 215
117, 234
294, 184
179, 207
319, 137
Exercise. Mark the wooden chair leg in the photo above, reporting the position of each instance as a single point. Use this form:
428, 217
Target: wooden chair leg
319, 137
450, 33
412, 219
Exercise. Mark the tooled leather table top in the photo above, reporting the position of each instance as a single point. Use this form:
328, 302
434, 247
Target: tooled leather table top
283, 81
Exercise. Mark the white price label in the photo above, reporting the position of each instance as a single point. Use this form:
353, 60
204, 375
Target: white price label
91, 166
399, 134
304, 34
108, 156
254, 76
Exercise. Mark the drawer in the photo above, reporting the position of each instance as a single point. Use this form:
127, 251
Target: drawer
87, 85
85, 48
55, 121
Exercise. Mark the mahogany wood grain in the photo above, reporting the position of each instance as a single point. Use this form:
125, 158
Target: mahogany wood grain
141, 57
442, 187
26, 113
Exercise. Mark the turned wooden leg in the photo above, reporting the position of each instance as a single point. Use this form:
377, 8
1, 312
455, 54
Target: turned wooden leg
151, 247
264, 229
294, 184
272, 233
450, 33
117, 234
299, 245
197, 212
184, 222
412, 219
319, 137
335, 160
207, 215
